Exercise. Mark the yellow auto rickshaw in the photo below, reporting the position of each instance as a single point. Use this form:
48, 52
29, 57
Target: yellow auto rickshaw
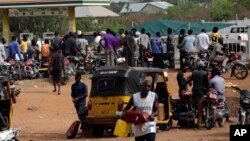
6, 100
111, 89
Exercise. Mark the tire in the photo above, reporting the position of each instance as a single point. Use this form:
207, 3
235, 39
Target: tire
98, 131
227, 111
240, 71
221, 121
34, 75
241, 119
210, 119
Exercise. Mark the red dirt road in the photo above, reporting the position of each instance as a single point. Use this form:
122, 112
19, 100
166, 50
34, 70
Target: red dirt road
43, 115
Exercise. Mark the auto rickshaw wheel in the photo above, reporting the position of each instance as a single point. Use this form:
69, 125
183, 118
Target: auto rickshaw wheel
98, 131
166, 127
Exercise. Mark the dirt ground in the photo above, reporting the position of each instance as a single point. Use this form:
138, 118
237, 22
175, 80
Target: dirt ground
43, 115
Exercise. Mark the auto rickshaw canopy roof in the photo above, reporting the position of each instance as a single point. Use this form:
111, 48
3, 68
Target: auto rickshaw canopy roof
124, 71
117, 80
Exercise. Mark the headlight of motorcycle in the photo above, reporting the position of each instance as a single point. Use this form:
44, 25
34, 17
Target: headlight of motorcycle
246, 101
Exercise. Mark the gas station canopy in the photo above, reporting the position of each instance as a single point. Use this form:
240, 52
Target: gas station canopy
49, 3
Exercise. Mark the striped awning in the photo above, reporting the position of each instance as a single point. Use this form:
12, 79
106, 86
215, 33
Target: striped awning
49, 3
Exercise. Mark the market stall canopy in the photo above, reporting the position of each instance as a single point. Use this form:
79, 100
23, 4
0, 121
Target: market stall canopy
49, 3
94, 11
161, 26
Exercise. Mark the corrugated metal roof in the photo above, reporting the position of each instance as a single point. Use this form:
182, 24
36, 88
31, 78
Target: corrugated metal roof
133, 7
93, 11
161, 4
137, 7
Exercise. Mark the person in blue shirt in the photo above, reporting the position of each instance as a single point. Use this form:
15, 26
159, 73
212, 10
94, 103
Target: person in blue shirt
157, 50
14, 49
79, 92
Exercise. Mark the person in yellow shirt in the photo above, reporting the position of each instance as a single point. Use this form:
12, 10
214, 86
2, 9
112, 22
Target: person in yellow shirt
24, 45
215, 35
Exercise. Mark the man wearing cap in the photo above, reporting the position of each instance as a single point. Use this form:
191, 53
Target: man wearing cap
109, 47
199, 78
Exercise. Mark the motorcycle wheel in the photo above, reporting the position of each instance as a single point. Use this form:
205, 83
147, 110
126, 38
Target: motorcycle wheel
241, 119
15, 76
239, 71
210, 118
227, 111
32, 76
221, 121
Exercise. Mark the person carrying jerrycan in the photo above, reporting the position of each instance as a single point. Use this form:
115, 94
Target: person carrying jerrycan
145, 101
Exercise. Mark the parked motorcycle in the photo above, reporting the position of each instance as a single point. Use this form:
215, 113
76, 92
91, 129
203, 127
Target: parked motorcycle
190, 61
14, 91
14, 69
119, 58
97, 61
44, 67
30, 69
244, 107
69, 65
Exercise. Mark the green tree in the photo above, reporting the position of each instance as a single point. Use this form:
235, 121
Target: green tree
222, 10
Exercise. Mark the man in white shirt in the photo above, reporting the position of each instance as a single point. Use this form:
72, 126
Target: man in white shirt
83, 44
202, 41
145, 101
188, 42
144, 45
2, 50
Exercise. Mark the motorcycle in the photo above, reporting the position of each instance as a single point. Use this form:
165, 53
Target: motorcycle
149, 58
14, 91
215, 109
14, 69
238, 70
69, 65
183, 110
190, 61
97, 61
244, 107
30, 69
44, 67
119, 58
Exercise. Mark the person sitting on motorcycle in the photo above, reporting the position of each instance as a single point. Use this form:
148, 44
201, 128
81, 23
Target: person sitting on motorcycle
218, 83
199, 78
45, 51
218, 54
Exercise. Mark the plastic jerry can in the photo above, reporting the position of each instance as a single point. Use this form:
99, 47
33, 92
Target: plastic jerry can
122, 128
161, 114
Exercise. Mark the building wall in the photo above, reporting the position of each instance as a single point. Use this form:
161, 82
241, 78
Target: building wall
150, 9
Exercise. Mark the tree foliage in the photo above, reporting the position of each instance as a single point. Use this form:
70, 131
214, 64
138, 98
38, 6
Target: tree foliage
222, 10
